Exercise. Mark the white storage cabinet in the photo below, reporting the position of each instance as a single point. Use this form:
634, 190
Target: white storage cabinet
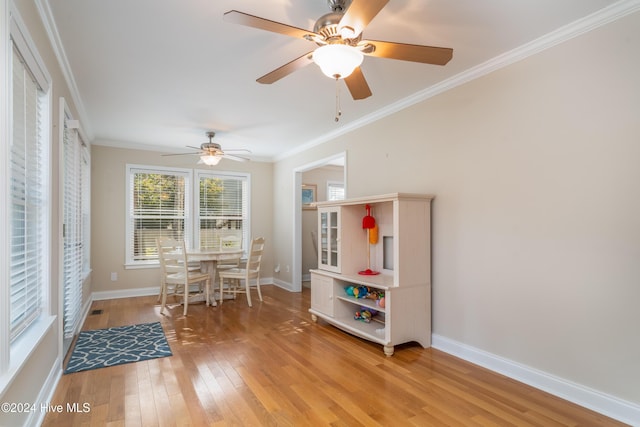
402, 255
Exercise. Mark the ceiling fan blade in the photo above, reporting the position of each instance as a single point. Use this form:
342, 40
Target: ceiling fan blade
181, 154
357, 85
236, 158
237, 150
242, 18
360, 13
287, 69
409, 52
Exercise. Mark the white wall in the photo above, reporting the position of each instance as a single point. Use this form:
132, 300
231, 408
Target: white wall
536, 220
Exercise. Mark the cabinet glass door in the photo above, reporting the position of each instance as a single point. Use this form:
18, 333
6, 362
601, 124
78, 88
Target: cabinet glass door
329, 253
324, 239
333, 238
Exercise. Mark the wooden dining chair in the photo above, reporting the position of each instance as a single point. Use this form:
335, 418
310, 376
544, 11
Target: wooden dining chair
176, 276
231, 280
229, 244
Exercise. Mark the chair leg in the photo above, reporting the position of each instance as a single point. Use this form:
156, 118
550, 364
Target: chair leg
247, 290
186, 299
258, 287
163, 297
221, 290
206, 292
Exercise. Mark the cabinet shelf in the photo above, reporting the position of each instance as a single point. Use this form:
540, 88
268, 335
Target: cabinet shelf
361, 302
372, 331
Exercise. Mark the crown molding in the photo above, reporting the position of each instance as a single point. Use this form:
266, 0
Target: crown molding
44, 9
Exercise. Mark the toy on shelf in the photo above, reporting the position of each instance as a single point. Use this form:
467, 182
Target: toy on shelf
366, 292
369, 224
361, 292
365, 314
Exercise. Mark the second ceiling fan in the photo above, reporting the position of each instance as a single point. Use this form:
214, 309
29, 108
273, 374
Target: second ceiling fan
341, 47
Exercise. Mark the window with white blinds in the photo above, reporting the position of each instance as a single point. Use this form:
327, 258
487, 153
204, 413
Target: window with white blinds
222, 202
163, 202
76, 225
158, 205
335, 190
29, 159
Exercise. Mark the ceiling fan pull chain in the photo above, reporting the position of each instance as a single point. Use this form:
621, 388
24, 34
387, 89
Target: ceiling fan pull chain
338, 111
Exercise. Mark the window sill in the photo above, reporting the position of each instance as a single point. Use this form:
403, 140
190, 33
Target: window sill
139, 266
23, 347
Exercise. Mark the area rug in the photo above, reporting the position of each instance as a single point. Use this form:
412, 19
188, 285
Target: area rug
115, 346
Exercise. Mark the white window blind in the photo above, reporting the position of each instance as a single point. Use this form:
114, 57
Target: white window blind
222, 209
75, 229
28, 193
158, 206
335, 191
85, 170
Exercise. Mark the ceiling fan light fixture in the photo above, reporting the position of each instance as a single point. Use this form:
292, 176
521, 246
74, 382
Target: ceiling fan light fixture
337, 61
210, 159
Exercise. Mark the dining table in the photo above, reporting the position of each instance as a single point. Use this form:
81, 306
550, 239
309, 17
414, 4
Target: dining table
208, 259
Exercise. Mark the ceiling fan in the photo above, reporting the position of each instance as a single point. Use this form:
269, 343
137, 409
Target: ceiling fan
339, 35
211, 153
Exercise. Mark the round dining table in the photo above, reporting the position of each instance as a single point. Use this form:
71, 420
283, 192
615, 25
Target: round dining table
208, 259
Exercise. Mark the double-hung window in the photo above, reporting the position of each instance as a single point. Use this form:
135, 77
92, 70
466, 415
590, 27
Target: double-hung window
158, 205
222, 201
29, 194
170, 202
26, 205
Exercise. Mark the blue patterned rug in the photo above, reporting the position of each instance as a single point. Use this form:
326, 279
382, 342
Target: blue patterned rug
114, 346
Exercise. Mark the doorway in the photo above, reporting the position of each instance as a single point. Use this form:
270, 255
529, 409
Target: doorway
330, 170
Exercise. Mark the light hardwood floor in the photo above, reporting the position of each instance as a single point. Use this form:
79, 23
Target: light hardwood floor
270, 365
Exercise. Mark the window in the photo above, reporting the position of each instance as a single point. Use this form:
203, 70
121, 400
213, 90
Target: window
158, 205
29, 190
222, 201
335, 190
162, 202
76, 219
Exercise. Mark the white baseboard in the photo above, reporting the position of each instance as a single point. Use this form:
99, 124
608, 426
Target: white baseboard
125, 293
589, 398
282, 284
144, 292
45, 397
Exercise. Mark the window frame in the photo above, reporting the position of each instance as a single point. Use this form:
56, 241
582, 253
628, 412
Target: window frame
75, 186
331, 184
192, 211
246, 177
14, 353
130, 263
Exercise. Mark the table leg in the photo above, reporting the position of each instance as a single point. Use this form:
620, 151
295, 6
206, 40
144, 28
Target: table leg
209, 267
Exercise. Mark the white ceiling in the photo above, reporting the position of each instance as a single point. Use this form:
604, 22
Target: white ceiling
160, 73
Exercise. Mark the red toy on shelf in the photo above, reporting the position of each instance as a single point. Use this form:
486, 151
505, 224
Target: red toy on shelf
369, 224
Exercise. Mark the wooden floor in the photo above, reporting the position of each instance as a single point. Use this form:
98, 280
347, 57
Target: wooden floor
270, 365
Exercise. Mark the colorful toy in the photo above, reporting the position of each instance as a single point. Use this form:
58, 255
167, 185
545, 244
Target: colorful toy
349, 290
365, 314
361, 292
